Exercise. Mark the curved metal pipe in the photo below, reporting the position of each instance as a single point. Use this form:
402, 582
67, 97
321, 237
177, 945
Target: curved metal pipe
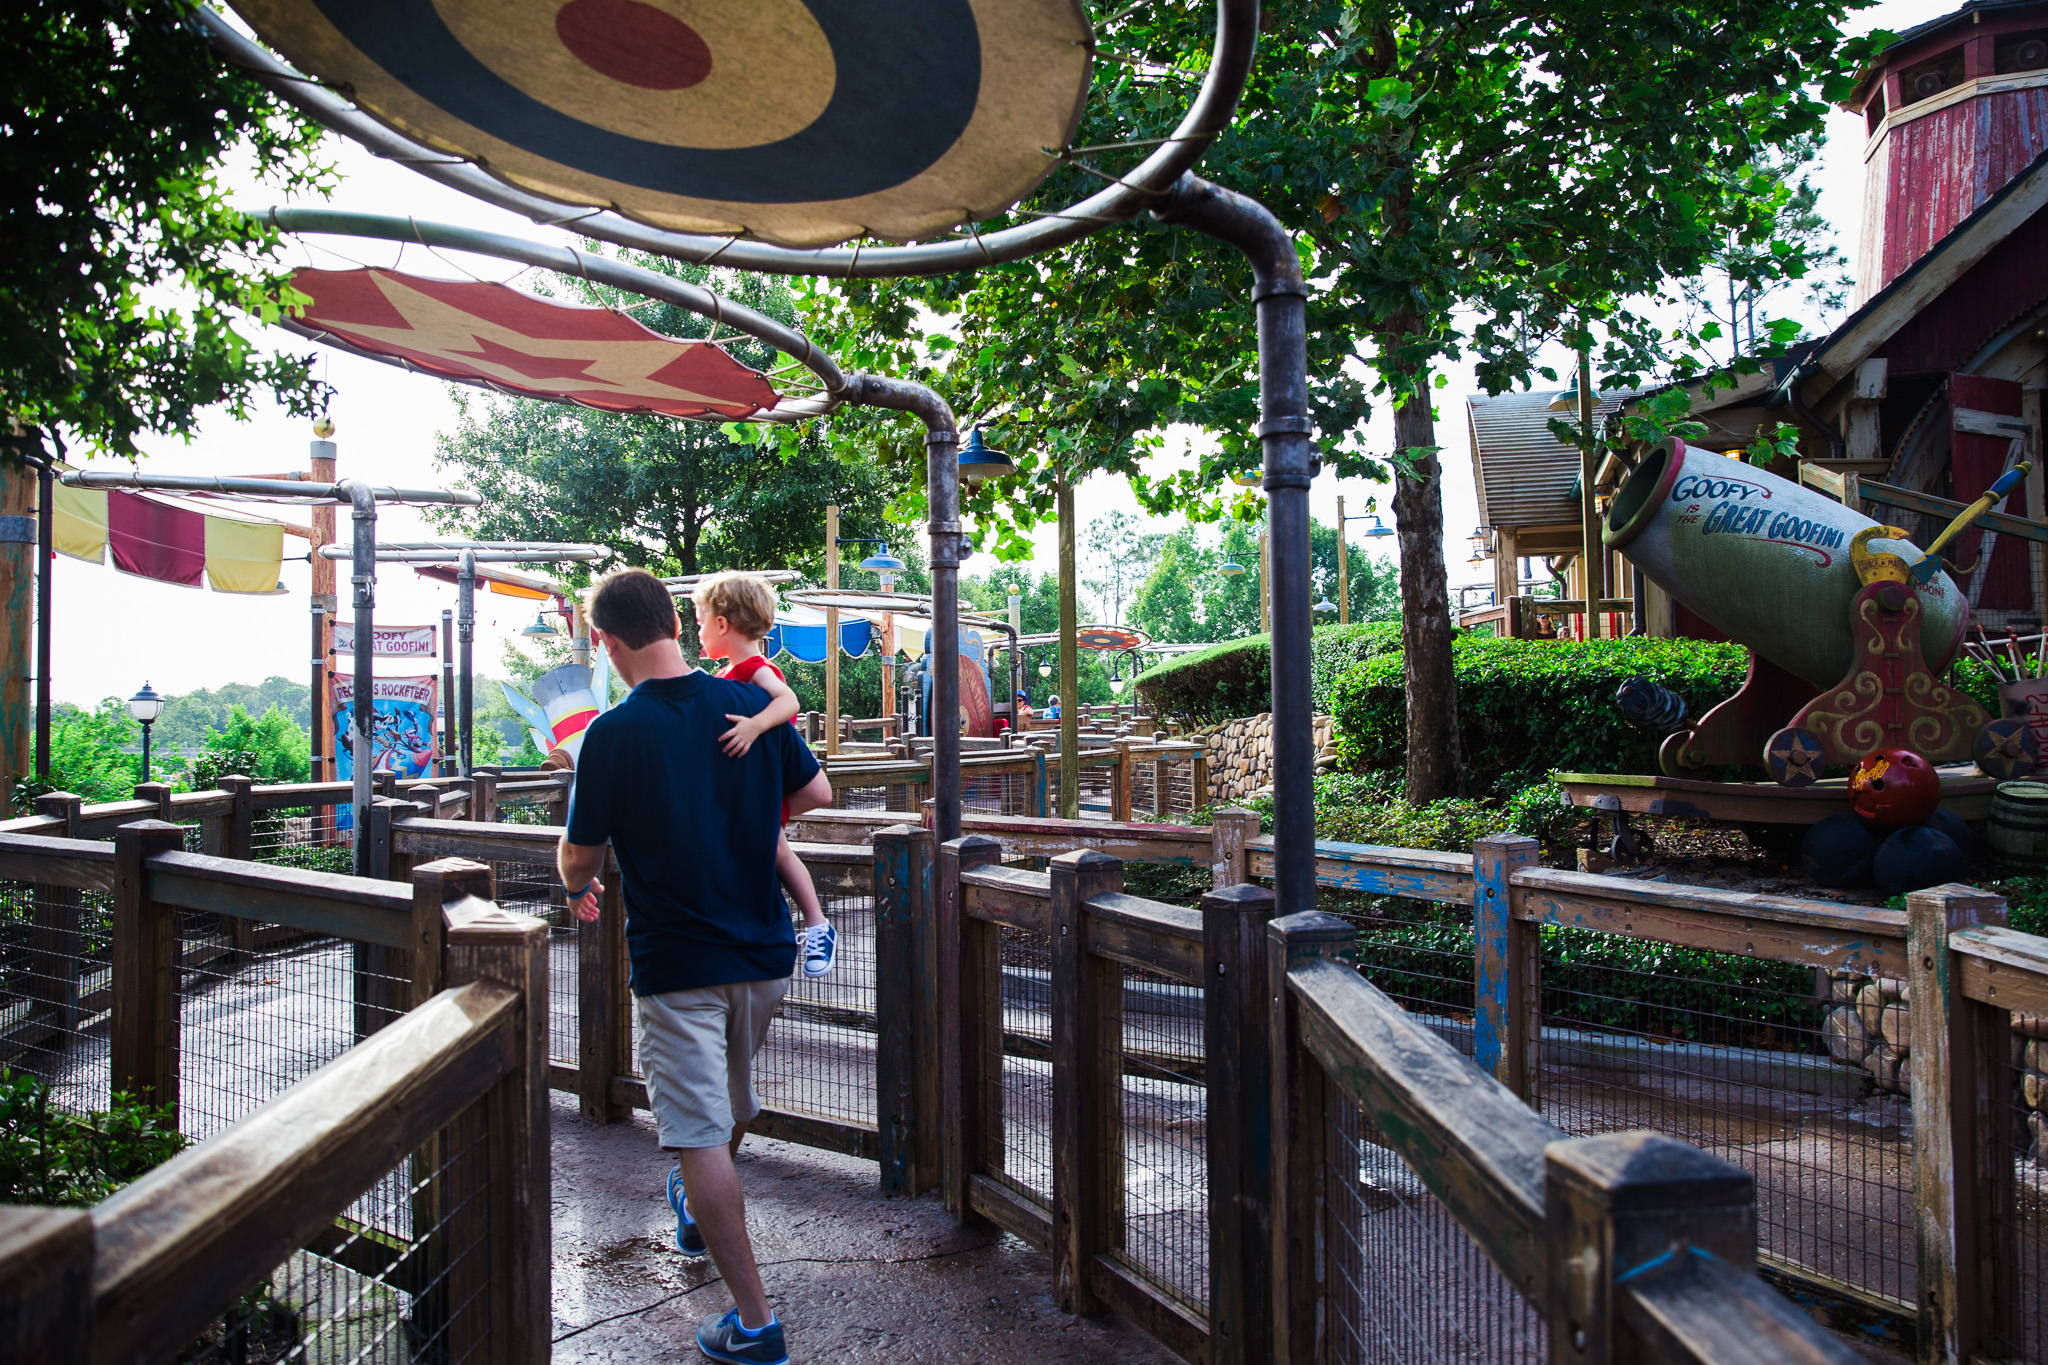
1285, 433
942, 487
1230, 60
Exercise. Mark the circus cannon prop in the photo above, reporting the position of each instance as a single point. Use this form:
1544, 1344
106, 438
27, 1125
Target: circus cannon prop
1846, 621
564, 702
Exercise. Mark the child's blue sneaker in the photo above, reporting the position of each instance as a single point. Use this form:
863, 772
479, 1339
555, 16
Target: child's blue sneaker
724, 1339
689, 1239
820, 943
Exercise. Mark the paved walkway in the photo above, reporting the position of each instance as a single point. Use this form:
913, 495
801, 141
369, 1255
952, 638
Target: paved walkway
854, 1276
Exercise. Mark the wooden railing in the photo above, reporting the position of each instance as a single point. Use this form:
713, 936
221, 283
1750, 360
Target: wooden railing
1135, 775
461, 1062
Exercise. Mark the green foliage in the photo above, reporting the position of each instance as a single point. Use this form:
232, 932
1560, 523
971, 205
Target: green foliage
48, 1156
1335, 650
272, 748
86, 757
1528, 707
1214, 684
191, 716
124, 263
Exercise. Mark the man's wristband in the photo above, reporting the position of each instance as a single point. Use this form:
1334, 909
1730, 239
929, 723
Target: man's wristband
578, 895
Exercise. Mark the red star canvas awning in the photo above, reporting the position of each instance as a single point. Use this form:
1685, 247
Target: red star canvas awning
491, 334
804, 122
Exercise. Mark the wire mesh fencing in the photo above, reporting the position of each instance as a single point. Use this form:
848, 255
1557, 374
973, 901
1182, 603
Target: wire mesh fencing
2019, 1140
819, 1059
399, 1279
1732, 1054
1159, 1178
1015, 979
56, 989
1419, 952
312, 837
1402, 1280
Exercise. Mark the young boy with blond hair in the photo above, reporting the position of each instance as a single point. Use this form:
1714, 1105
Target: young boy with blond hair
735, 612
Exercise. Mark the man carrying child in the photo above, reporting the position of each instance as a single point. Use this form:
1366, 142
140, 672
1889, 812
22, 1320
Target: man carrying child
696, 828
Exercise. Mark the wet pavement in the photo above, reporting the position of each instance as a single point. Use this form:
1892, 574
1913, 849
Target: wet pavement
853, 1276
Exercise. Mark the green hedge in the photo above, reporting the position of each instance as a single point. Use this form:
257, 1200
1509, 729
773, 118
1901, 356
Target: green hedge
1235, 678
1528, 707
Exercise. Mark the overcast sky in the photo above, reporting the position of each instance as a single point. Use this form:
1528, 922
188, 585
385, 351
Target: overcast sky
112, 632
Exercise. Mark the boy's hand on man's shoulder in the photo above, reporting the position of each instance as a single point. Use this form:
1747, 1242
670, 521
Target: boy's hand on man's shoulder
741, 737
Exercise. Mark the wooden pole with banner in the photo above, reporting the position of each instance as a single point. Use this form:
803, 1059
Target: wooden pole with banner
321, 470
1343, 577
832, 632
1592, 554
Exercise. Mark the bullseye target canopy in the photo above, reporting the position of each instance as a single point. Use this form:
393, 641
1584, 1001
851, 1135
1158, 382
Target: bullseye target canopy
482, 333
801, 122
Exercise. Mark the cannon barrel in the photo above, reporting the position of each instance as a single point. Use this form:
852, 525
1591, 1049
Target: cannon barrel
1763, 559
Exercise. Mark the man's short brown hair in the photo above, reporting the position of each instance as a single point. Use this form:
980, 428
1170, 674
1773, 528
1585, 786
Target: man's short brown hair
634, 608
746, 603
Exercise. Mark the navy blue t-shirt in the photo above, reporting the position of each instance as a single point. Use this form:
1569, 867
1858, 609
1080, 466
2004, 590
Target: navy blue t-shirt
694, 831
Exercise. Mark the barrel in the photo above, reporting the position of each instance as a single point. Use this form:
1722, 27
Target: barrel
1763, 559
2019, 824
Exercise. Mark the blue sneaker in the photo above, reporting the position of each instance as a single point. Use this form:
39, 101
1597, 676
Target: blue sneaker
819, 945
724, 1339
689, 1238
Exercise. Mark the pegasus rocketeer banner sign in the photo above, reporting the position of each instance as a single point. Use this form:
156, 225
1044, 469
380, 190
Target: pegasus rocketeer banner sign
401, 724
388, 642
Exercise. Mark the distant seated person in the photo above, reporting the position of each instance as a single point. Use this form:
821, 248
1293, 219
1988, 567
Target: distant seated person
1052, 708
1023, 707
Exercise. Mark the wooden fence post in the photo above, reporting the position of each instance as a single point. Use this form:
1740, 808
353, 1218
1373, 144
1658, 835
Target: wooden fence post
435, 886
967, 955
377, 972
1038, 795
1162, 786
1613, 1204
1963, 1195
159, 793
1087, 1082
906, 1093
1199, 782
238, 829
1235, 1012
1230, 864
1120, 784
1299, 1135
144, 1038
1506, 969
509, 1126
46, 1260
604, 1002
56, 952
483, 797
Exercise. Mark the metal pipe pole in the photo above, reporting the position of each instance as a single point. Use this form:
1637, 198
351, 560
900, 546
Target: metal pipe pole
46, 551
942, 484
1070, 661
145, 751
1592, 575
465, 618
363, 578
1285, 432
447, 687
321, 707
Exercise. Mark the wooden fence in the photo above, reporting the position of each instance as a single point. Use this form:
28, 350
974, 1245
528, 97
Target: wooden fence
456, 1066
987, 985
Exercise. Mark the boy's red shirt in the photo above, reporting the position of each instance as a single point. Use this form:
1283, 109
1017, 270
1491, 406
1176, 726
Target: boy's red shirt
745, 669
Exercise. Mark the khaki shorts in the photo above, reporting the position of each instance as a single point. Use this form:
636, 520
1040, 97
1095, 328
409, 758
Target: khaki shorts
697, 1049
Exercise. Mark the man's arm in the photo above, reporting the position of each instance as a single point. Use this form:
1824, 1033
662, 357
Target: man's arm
579, 865
813, 794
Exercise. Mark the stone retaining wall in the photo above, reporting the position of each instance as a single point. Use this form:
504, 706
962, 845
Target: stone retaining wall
1241, 755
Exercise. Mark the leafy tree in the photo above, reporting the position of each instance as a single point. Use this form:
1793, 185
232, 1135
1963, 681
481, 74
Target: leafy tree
1120, 553
191, 717
666, 495
270, 748
122, 265
86, 757
1375, 584
1531, 167
1166, 605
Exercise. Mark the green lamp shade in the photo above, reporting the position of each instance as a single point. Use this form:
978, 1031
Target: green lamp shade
1230, 568
541, 628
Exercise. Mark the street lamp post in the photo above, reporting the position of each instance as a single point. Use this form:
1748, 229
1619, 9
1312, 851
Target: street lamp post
145, 706
1378, 529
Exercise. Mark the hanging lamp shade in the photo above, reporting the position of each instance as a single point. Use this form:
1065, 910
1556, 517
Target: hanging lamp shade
882, 562
979, 461
1379, 528
540, 629
801, 122
1230, 568
1326, 605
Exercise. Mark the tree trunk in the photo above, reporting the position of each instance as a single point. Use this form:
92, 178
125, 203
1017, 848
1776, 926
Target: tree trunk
1434, 762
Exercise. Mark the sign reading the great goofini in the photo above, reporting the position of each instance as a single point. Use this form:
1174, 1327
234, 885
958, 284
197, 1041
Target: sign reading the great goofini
803, 122
387, 642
